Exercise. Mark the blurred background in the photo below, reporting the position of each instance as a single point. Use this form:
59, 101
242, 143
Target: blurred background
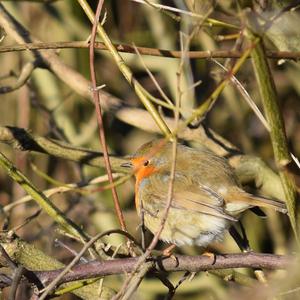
47, 106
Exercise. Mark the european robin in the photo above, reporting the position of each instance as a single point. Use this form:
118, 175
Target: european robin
207, 197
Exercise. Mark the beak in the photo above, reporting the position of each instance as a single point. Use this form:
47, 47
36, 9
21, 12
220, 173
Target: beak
127, 164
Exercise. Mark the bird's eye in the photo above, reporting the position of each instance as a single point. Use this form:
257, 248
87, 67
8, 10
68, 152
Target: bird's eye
146, 163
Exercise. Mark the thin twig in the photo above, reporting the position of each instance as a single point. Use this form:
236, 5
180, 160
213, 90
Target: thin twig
160, 90
61, 189
142, 259
24, 76
18, 272
61, 244
205, 107
209, 21
97, 103
246, 96
125, 48
131, 284
27, 221
126, 295
68, 268
127, 73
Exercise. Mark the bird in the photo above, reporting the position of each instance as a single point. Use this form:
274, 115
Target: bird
206, 200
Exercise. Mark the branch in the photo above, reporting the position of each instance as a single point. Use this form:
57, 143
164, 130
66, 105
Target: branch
23, 140
101, 129
248, 168
127, 73
41, 199
24, 76
182, 263
274, 117
135, 117
124, 48
51, 60
32, 258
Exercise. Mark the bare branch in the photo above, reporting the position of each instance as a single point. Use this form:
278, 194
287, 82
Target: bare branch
125, 48
183, 263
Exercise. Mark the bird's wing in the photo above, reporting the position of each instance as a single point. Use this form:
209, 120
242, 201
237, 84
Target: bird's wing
205, 201
187, 194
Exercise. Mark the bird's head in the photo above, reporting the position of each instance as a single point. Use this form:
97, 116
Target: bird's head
149, 158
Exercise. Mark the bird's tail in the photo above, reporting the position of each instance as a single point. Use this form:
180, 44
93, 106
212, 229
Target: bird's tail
252, 200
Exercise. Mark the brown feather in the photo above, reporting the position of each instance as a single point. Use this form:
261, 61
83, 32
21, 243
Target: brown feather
240, 196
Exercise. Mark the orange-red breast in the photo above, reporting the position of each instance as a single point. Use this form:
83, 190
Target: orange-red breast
207, 197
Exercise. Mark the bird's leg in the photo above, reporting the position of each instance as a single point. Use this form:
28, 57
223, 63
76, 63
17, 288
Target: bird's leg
243, 243
143, 228
241, 240
238, 239
245, 238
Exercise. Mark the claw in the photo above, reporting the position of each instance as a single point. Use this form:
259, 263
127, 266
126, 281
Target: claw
168, 251
211, 255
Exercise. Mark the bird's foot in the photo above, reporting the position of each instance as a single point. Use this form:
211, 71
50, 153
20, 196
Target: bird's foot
168, 252
211, 255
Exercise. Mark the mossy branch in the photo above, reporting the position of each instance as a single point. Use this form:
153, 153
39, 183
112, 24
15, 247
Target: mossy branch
23, 140
34, 259
277, 130
41, 199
